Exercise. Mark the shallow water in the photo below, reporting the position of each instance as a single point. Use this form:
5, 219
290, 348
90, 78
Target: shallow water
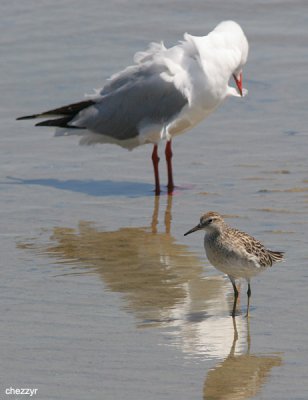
101, 295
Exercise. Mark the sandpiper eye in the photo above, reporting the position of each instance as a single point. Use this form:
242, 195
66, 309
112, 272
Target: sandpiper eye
210, 221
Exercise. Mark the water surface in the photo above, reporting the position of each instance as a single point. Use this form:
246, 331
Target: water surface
101, 294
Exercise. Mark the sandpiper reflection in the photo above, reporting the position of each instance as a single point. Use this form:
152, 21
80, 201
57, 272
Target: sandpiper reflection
241, 374
160, 280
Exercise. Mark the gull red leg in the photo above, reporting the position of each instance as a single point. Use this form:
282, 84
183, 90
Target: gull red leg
168, 153
155, 160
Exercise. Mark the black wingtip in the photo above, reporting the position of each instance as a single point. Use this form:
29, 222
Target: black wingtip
67, 111
59, 123
27, 117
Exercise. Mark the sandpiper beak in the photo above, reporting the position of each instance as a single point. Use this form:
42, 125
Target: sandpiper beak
196, 228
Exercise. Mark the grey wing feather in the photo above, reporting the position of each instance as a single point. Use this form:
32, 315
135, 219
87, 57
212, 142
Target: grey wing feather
138, 94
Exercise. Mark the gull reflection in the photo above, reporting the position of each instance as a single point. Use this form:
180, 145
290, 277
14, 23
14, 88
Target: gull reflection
161, 281
211, 336
164, 284
241, 374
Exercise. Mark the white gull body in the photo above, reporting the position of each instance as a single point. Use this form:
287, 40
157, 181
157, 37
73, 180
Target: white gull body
166, 92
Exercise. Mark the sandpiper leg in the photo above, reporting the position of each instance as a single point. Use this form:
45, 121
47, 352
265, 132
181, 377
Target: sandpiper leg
235, 296
155, 160
168, 153
248, 299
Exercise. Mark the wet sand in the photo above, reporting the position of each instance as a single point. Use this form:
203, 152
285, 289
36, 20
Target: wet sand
101, 294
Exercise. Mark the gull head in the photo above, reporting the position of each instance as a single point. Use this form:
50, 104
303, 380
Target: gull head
235, 54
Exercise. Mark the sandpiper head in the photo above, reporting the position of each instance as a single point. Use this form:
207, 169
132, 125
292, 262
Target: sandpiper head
210, 222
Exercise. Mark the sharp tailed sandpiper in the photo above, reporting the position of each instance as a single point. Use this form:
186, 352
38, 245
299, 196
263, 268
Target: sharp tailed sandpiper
233, 252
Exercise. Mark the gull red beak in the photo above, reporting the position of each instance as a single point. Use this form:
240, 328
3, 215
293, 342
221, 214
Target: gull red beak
239, 82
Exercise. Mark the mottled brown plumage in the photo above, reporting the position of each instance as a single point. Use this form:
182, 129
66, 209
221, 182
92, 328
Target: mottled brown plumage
233, 252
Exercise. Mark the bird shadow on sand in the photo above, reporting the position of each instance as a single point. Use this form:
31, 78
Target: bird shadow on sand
102, 188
